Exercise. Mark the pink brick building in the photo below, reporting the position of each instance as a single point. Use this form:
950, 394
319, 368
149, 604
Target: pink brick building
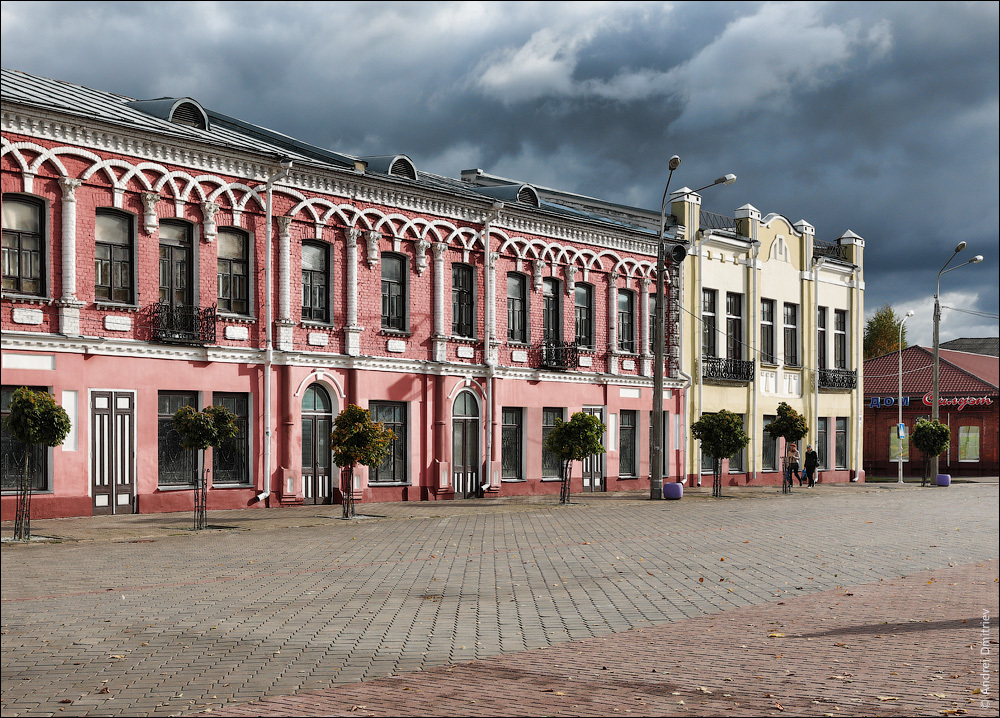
468, 314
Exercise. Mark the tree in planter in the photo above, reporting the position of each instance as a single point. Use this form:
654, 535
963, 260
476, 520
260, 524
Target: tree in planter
931, 438
790, 426
212, 426
574, 440
35, 419
722, 435
356, 439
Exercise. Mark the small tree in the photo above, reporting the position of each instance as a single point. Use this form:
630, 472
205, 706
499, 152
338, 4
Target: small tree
212, 426
722, 435
574, 440
35, 419
931, 438
790, 426
356, 439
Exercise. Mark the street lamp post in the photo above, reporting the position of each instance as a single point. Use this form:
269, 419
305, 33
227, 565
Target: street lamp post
899, 397
937, 346
656, 445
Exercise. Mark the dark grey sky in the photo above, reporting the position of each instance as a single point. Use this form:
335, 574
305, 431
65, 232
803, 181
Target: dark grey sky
877, 117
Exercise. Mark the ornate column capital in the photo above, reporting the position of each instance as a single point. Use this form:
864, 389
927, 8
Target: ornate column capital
208, 210
371, 238
69, 188
284, 225
421, 257
150, 222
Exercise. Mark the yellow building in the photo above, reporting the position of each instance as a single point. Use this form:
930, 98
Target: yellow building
770, 315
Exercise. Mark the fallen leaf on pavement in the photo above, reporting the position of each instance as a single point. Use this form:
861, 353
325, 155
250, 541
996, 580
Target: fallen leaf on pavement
888, 698
775, 635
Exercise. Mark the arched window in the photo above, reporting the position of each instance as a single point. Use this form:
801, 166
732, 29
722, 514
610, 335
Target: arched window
23, 246
114, 250
394, 292
315, 282
234, 271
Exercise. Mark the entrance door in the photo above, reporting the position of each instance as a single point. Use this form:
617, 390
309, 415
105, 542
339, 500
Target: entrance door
112, 453
317, 423
465, 446
593, 465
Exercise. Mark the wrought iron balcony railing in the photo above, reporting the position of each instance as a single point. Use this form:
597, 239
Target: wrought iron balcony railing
183, 325
838, 379
726, 369
558, 355
834, 250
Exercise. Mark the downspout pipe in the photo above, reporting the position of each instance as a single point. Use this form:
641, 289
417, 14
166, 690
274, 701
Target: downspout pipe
817, 266
488, 318
754, 333
286, 165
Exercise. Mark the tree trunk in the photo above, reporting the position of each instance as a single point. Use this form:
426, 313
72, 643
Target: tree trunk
22, 516
347, 491
716, 476
564, 484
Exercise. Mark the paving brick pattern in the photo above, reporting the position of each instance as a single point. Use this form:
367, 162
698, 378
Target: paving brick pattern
140, 615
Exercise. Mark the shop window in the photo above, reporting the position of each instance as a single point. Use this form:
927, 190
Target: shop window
768, 446
841, 447
968, 443
511, 443
551, 468
627, 449
231, 460
177, 466
14, 452
392, 414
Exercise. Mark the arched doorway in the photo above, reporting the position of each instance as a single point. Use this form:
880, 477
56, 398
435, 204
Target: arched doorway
317, 423
465, 445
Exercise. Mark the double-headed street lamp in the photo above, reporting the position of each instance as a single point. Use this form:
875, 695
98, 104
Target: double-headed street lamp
677, 255
899, 398
937, 347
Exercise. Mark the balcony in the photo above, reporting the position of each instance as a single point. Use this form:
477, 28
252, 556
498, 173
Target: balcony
183, 325
558, 355
735, 370
833, 250
838, 379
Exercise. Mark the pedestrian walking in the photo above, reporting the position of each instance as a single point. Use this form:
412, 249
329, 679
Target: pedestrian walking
792, 464
810, 465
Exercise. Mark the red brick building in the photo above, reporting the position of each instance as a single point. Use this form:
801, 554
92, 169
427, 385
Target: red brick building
467, 314
969, 401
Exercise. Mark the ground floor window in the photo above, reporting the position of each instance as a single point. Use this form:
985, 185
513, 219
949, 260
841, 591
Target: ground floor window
550, 462
841, 447
822, 429
231, 461
177, 466
511, 437
968, 443
392, 414
768, 446
627, 451
14, 452
738, 461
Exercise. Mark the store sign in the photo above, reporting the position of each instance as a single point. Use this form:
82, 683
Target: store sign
960, 401
877, 402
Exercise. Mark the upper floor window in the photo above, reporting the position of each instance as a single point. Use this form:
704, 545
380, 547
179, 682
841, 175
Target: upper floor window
517, 307
708, 318
767, 330
234, 271
734, 325
463, 315
176, 260
393, 292
840, 339
821, 337
551, 311
626, 320
315, 282
792, 334
583, 315
23, 259
114, 250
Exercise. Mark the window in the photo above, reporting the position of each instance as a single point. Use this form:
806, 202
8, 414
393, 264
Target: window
792, 334
315, 282
392, 414
234, 271
734, 326
517, 308
463, 316
22, 247
177, 466
894, 445
767, 331
841, 443
708, 306
550, 462
768, 446
13, 451
821, 338
175, 263
583, 314
231, 460
626, 321
822, 442
839, 339
627, 435
113, 252
738, 462
968, 443
652, 321
393, 292
511, 433
551, 311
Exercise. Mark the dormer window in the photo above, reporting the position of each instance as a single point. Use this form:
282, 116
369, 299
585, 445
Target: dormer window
188, 113
528, 195
402, 167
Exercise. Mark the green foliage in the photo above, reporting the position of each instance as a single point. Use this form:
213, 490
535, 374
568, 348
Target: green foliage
721, 435
356, 439
576, 439
882, 333
930, 437
212, 426
790, 424
36, 418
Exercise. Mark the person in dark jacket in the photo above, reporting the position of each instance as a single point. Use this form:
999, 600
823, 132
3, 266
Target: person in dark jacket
811, 462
